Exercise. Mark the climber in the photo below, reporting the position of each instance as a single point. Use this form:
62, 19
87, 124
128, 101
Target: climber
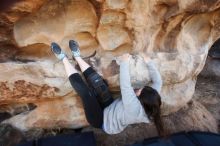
113, 116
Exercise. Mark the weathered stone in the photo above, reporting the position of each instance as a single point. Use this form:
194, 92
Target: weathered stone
45, 79
17, 9
112, 18
212, 68
55, 21
194, 116
197, 5
116, 4
57, 113
4, 116
9, 136
110, 37
208, 93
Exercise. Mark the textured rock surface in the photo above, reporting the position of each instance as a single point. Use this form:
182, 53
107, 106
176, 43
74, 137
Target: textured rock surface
55, 21
9, 136
212, 68
208, 93
175, 34
59, 113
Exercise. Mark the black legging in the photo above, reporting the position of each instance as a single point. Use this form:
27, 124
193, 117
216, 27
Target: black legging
92, 107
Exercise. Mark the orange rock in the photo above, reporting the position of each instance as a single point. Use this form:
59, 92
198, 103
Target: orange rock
116, 4
112, 18
57, 113
111, 37
56, 20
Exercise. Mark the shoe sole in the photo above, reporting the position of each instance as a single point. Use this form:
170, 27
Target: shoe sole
55, 48
73, 45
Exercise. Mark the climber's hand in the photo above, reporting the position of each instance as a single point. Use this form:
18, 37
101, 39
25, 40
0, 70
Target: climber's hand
124, 58
145, 57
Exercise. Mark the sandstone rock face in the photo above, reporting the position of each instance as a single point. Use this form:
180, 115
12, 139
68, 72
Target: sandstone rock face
55, 22
9, 135
59, 113
212, 68
175, 34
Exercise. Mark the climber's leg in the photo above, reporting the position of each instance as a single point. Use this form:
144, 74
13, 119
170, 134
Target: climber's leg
74, 47
82, 64
93, 78
100, 86
55, 48
93, 111
68, 67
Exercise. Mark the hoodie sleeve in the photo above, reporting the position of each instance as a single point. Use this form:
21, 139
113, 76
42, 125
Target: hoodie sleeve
155, 76
127, 91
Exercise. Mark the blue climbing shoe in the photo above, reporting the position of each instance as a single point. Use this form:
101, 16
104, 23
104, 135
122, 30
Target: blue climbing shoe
55, 48
74, 47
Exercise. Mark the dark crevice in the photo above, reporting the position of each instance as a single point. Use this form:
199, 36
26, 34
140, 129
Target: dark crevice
22, 60
10, 136
4, 116
13, 110
6, 4
98, 8
7, 52
214, 51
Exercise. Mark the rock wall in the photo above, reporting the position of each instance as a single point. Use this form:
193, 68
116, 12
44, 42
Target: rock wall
175, 34
212, 67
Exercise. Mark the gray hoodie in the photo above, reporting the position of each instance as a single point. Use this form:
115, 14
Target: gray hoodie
128, 109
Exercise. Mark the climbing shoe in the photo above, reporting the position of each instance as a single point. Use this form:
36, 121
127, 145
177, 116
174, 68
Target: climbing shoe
74, 47
55, 48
